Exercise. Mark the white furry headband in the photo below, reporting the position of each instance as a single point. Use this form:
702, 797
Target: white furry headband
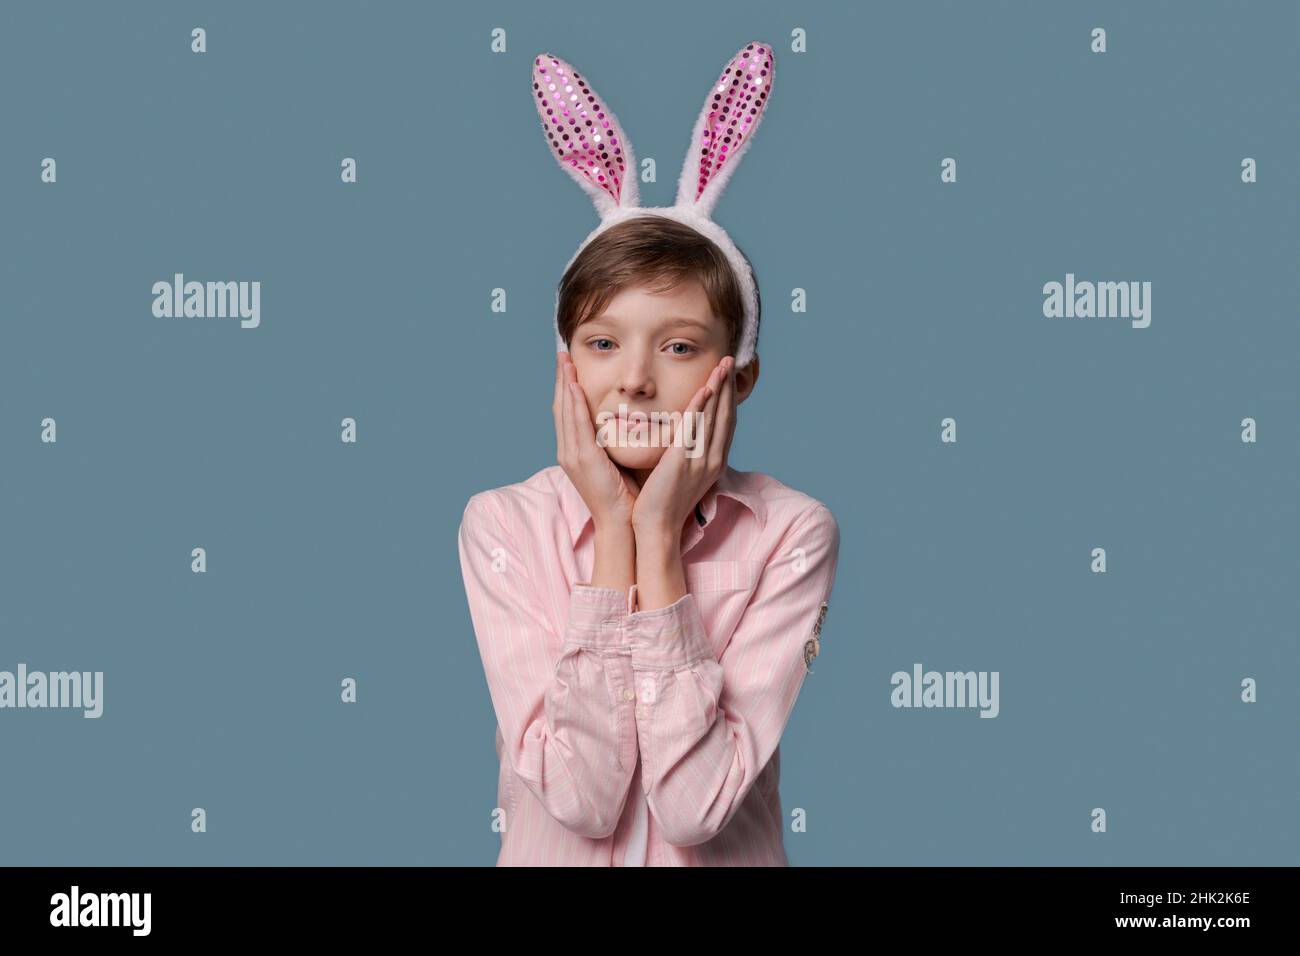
591, 147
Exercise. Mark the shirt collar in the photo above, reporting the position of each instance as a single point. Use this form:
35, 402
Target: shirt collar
732, 483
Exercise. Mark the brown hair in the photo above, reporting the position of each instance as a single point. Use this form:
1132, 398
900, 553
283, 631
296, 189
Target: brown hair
658, 253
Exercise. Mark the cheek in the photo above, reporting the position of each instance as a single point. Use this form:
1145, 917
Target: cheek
586, 376
595, 386
589, 373
687, 386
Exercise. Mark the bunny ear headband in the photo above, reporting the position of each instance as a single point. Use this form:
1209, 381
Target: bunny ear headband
590, 145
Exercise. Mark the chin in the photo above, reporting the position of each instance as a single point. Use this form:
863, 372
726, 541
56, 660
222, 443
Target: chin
636, 457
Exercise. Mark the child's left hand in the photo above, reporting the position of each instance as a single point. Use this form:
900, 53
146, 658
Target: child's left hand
678, 482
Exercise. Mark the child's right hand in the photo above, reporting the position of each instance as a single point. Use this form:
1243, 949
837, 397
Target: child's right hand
608, 493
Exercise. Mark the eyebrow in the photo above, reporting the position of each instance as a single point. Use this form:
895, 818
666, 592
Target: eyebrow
673, 321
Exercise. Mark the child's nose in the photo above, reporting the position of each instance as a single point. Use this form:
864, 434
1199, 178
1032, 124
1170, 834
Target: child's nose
636, 377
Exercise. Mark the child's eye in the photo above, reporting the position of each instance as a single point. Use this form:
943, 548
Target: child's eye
689, 348
595, 342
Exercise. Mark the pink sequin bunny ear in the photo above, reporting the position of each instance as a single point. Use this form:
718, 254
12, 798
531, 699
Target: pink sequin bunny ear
732, 111
584, 136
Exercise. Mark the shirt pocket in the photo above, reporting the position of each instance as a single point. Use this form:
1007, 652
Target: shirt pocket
722, 591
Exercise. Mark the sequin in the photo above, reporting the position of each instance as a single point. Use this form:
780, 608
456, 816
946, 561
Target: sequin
737, 98
584, 134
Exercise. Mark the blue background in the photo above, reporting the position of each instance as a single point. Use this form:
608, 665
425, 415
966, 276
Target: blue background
325, 560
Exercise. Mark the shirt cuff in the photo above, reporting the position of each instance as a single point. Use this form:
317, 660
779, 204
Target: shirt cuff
671, 636
597, 616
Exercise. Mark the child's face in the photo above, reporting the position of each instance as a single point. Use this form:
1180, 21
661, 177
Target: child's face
652, 353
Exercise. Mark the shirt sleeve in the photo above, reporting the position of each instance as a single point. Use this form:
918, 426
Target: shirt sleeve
708, 727
557, 697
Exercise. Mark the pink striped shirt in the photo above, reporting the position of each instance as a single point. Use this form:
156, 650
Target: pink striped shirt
645, 738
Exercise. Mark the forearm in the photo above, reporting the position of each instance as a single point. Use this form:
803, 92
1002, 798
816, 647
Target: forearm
549, 679
660, 578
709, 722
615, 562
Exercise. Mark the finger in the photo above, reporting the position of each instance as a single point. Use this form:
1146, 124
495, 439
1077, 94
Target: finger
710, 414
559, 377
726, 414
570, 429
557, 402
693, 411
735, 415
582, 432
731, 431
586, 430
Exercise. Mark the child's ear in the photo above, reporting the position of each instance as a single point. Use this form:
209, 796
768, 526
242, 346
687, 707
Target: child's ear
746, 380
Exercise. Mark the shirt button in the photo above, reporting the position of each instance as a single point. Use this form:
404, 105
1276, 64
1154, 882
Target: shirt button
628, 694
640, 712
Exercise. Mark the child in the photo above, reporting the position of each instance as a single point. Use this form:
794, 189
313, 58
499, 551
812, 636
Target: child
646, 614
